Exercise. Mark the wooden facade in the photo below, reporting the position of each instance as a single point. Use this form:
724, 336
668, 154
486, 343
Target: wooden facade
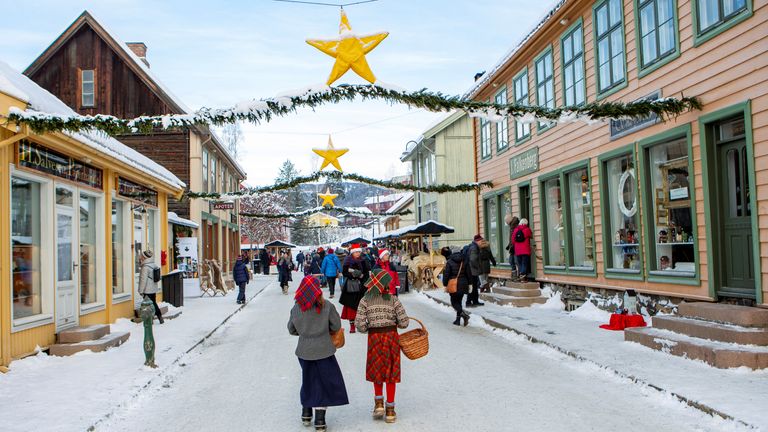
726, 68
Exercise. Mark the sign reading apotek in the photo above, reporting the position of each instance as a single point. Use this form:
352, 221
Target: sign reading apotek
524, 163
224, 205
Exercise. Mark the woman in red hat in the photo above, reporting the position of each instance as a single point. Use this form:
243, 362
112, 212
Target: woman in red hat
385, 264
355, 271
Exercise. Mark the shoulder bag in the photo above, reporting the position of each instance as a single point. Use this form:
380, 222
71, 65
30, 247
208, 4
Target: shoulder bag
453, 283
337, 338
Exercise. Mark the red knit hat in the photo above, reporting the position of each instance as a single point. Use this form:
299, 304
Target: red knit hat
355, 247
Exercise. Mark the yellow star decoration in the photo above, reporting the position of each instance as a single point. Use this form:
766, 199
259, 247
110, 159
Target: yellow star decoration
330, 155
327, 221
349, 51
328, 197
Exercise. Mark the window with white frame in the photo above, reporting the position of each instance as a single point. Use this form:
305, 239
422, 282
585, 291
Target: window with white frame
119, 257
485, 138
433, 164
657, 30
89, 265
502, 128
214, 176
87, 88
26, 247
609, 34
205, 171
520, 83
545, 84
572, 46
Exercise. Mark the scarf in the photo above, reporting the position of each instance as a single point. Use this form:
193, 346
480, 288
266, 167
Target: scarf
308, 293
378, 284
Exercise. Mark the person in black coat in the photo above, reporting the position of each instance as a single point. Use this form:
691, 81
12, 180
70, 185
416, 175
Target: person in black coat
454, 268
265, 261
284, 271
355, 268
241, 277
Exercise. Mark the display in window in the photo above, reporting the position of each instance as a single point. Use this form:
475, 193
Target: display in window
25, 248
554, 219
581, 233
622, 212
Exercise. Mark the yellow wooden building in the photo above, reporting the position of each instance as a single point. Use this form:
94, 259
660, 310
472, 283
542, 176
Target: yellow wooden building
77, 210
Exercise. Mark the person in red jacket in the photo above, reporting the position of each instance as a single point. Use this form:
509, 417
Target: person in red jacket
386, 265
521, 239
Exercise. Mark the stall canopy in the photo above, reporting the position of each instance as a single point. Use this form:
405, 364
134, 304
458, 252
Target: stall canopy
358, 240
427, 228
279, 244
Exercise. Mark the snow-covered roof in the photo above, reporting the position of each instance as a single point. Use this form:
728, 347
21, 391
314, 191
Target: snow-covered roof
402, 203
486, 78
177, 220
20, 87
359, 210
385, 198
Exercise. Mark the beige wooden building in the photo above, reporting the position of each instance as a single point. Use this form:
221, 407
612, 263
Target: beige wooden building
675, 208
443, 154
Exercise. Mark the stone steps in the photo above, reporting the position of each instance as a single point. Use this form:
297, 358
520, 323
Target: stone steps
718, 354
724, 313
164, 312
713, 330
510, 300
81, 334
101, 343
516, 292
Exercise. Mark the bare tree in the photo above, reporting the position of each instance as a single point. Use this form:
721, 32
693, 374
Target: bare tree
233, 137
264, 230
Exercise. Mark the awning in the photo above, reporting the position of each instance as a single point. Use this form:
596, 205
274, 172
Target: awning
280, 244
429, 227
345, 243
176, 220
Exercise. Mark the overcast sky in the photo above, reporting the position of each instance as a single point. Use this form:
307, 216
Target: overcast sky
215, 54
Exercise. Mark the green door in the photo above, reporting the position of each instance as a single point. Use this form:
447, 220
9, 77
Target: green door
737, 260
526, 210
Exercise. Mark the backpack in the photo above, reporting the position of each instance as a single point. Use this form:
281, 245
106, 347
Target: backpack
156, 274
519, 236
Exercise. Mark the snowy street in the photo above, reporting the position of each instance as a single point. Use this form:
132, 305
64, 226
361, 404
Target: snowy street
246, 377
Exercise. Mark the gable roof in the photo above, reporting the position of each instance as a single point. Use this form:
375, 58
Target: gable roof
133, 62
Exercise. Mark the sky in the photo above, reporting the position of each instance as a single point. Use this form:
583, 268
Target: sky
216, 54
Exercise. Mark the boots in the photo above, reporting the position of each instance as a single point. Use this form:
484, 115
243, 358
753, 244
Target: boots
465, 317
351, 327
285, 289
306, 416
457, 321
390, 416
320, 420
378, 408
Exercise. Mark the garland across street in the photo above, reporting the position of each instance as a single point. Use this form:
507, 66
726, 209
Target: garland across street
263, 110
341, 210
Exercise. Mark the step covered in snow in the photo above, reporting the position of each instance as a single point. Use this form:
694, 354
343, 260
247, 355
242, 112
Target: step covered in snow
724, 313
101, 344
510, 300
522, 285
516, 292
718, 354
81, 334
713, 330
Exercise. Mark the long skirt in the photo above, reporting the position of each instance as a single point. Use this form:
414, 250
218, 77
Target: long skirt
322, 384
383, 360
347, 313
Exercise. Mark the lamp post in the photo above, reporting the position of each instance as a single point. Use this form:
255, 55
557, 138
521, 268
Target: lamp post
147, 314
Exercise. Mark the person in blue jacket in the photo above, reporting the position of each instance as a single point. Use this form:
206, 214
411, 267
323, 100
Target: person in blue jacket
331, 268
241, 276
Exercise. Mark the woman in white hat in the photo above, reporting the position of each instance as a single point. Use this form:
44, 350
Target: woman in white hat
147, 284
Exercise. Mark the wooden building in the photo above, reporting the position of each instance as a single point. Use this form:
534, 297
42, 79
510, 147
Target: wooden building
94, 72
79, 208
675, 208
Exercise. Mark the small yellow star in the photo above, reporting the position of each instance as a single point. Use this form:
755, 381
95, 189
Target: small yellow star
327, 221
349, 51
328, 197
330, 155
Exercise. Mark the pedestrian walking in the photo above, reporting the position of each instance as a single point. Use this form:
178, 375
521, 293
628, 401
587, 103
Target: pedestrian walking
471, 253
513, 222
386, 265
241, 277
454, 269
486, 259
147, 281
266, 261
380, 314
322, 384
356, 271
300, 261
522, 241
316, 263
330, 268
284, 271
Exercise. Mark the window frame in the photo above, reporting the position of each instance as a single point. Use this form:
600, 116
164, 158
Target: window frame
501, 261
81, 82
660, 61
567, 34
205, 161
127, 293
542, 127
683, 131
601, 94
485, 138
562, 175
502, 127
515, 79
101, 265
700, 37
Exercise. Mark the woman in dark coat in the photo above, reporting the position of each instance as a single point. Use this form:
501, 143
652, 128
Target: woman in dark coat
284, 271
312, 320
355, 271
454, 267
242, 277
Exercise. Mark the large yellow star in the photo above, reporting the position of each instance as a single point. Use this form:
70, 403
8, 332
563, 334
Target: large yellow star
349, 50
330, 155
328, 197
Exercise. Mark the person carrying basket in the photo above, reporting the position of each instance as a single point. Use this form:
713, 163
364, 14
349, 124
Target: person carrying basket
380, 314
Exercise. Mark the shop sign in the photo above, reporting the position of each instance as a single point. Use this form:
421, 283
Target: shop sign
136, 192
39, 158
623, 127
524, 163
224, 205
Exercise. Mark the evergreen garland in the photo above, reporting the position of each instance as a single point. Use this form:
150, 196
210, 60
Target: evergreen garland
264, 110
340, 210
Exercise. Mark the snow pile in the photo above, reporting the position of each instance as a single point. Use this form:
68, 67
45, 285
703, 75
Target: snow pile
554, 302
589, 312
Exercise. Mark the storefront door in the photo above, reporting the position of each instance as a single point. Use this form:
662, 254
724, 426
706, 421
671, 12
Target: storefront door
139, 244
66, 259
738, 273
526, 210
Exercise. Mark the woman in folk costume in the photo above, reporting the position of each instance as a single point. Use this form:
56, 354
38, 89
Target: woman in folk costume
355, 271
380, 314
312, 320
385, 264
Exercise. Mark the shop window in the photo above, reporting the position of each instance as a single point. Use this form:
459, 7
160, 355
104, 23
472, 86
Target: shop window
118, 248
88, 249
485, 138
580, 218
497, 206
26, 222
492, 221
572, 46
502, 129
609, 36
620, 206
545, 84
520, 83
671, 218
712, 14
553, 224
87, 88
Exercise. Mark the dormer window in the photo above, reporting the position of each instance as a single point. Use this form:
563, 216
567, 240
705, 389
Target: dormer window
87, 87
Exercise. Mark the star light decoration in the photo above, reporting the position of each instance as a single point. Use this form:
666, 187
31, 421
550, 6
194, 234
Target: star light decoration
328, 197
330, 155
349, 49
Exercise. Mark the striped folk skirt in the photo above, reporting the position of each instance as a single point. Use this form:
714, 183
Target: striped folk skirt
322, 384
347, 313
383, 360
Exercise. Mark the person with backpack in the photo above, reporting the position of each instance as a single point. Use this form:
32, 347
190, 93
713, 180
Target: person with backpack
471, 254
149, 276
522, 241
330, 268
513, 222
241, 277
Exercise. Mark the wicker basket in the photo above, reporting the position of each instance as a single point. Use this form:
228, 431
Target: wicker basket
415, 343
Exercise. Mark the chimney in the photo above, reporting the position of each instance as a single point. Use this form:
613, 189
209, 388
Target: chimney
140, 50
477, 75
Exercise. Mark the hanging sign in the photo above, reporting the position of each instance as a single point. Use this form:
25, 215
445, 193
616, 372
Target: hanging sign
524, 163
187, 247
136, 192
39, 158
224, 205
623, 127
